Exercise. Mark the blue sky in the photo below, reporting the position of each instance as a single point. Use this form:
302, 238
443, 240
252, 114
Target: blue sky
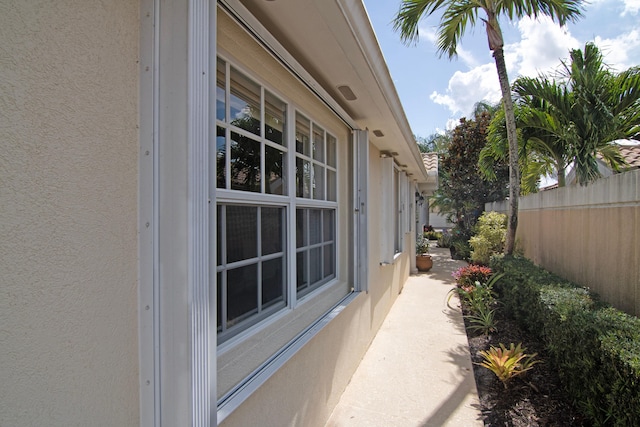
436, 92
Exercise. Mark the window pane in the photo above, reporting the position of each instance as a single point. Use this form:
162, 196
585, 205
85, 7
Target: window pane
219, 285
329, 269
272, 281
272, 235
331, 151
219, 223
301, 228
245, 102
274, 171
332, 186
242, 232
220, 91
301, 270
327, 226
315, 264
275, 113
242, 293
245, 163
303, 178
303, 138
314, 226
318, 182
318, 143
221, 158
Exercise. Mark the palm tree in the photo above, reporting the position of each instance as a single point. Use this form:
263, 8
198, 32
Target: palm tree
575, 118
605, 107
539, 154
457, 14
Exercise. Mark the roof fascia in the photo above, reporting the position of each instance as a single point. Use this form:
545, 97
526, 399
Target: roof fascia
356, 16
237, 11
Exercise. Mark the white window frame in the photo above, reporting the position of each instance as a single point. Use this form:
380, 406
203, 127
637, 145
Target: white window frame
289, 201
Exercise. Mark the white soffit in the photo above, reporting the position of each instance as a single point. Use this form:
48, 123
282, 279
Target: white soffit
334, 42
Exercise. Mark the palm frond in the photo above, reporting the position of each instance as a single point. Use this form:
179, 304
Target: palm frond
409, 16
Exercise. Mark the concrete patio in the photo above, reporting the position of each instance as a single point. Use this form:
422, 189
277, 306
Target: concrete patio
417, 371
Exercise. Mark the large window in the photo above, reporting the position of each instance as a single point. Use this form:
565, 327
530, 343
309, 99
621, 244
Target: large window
260, 271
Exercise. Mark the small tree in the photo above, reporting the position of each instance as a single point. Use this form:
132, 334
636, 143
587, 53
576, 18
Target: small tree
464, 190
489, 239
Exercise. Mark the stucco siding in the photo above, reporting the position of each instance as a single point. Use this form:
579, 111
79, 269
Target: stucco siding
307, 388
68, 213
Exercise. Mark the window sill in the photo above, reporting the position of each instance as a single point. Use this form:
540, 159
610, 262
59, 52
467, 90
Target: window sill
230, 402
396, 256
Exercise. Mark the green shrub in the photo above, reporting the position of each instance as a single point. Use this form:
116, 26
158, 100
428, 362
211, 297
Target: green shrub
444, 241
433, 235
489, 238
594, 347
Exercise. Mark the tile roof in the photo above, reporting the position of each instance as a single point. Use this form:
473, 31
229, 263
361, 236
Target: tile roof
430, 161
631, 154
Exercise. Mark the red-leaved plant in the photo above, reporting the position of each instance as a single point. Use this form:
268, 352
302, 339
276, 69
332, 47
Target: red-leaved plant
466, 277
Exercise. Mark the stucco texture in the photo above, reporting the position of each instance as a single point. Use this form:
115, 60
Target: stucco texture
68, 213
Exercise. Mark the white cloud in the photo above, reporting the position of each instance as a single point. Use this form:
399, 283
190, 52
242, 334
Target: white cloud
450, 125
542, 45
616, 51
465, 89
631, 7
428, 33
467, 57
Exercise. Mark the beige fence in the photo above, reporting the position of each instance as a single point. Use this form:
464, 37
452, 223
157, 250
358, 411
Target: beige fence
589, 235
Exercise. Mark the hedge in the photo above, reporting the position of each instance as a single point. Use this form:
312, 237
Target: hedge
594, 347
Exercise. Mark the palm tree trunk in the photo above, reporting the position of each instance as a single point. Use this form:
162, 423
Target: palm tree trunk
512, 137
561, 176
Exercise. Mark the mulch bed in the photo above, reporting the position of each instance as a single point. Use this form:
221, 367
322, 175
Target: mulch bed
533, 399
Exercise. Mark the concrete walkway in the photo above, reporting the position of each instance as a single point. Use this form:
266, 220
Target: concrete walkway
417, 372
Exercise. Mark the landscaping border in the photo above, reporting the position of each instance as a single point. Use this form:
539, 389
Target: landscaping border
594, 347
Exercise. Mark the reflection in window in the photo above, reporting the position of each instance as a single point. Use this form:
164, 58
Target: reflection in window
315, 161
318, 143
245, 102
221, 90
274, 171
331, 151
249, 157
275, 113
221, 158
245, 163
303, 126
256, 151
303, 178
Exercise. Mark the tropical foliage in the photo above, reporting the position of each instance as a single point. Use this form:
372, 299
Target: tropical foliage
489, 237
463, 189
508, 363
457, 14
570, 119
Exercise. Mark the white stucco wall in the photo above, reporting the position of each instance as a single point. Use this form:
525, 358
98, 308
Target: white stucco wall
306, 389
68, 213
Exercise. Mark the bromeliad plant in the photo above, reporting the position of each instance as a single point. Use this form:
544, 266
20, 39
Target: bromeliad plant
507, 363
467, 276
483, 320
478, 299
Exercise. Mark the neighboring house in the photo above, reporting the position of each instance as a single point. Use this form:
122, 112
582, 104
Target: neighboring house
425, 216
207, 209
630, 151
